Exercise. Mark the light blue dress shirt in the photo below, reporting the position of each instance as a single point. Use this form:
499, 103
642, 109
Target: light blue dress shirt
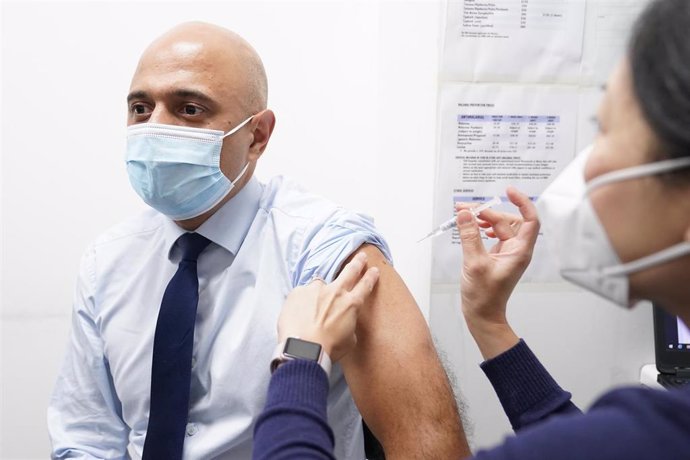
265, 241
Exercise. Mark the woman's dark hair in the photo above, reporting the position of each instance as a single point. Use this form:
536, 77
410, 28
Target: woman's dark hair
660, 60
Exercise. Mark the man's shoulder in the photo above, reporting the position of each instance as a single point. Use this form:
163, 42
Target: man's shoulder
131, 229
287, 197
327, 233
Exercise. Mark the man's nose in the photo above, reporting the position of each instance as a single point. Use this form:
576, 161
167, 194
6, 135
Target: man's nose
161, 114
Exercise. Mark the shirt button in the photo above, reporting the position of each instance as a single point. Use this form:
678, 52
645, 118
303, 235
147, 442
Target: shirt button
192, 429
193, 361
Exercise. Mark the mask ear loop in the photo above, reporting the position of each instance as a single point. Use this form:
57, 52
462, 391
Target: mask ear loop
240, 174
647, 169
237, 128
231, 132
674, 252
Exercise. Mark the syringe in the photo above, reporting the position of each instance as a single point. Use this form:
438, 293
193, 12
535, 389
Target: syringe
450, 223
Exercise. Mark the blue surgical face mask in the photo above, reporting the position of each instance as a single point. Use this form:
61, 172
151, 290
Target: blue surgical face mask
176, 169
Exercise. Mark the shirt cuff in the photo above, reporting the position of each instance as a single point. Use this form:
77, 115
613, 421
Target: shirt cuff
301, 382
524, 387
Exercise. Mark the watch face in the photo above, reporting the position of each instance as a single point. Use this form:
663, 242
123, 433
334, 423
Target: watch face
301, 349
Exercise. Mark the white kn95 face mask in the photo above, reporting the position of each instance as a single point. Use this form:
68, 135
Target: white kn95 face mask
578, 239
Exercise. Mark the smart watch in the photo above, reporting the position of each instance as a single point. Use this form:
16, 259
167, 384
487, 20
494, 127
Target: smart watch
296, 348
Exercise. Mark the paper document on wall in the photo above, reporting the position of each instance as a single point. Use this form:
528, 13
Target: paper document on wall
607, 29
493, 136
521, 81
513, 40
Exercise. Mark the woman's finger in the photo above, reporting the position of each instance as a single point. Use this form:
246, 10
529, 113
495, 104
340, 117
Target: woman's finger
361, 291
503, 224
524, 204
529, 230
352, 272
316, 281
470, 236
483, 223
490, 216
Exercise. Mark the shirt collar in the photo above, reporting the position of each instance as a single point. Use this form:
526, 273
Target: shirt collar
229, 225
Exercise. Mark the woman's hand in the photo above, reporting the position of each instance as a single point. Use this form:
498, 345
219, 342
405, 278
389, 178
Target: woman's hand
489, 277
327, 313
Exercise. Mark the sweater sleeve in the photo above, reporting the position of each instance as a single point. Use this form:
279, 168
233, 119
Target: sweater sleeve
628, 423
293, 423
524, 387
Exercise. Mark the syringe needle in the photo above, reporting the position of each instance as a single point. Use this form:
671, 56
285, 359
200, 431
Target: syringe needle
429, 235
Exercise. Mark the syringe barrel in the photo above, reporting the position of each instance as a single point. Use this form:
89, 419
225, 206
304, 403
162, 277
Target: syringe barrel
447, 225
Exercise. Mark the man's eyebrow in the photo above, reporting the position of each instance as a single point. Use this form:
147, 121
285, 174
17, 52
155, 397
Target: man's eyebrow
182, 93
137, 95
193, 94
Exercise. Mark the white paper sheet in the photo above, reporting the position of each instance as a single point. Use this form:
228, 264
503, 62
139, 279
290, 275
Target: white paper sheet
492, 136
521, 82
587, 125
607, 29
513, 40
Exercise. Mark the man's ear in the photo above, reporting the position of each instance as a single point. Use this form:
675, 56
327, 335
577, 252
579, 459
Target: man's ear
262, 127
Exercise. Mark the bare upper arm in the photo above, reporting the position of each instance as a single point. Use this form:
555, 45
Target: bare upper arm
395, 376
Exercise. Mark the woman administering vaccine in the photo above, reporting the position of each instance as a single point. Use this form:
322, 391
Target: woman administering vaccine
620, 217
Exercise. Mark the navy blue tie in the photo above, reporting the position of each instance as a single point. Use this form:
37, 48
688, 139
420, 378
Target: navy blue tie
172, 356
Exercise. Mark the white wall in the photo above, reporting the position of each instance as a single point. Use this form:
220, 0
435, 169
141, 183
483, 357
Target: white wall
353, 85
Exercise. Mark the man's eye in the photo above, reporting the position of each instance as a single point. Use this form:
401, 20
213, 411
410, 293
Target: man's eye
139, 109
191, 110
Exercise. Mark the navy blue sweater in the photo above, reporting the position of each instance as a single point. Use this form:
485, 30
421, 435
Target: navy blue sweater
630, 423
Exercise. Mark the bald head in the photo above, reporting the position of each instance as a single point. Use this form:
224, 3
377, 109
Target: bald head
213, 55
205, 77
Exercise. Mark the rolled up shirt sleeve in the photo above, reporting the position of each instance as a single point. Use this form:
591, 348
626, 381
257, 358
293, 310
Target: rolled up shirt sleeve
327, 246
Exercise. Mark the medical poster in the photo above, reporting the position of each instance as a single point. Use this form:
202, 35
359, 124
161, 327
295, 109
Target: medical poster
520, 85
607, 28
513, 40
493, 136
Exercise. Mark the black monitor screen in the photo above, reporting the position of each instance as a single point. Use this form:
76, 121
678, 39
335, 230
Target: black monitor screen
677, 333
672, 339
